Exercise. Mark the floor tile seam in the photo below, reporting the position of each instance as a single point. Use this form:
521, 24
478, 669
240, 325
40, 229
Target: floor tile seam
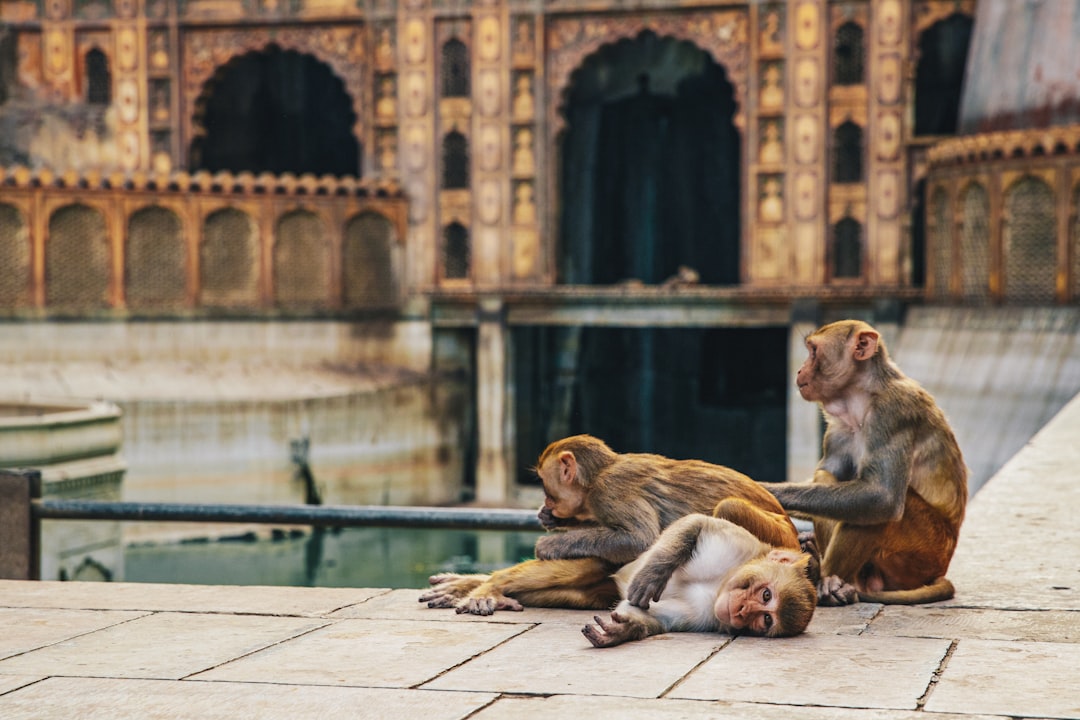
69, 638
385, 592
936, 676
715, 651
275, 643
481, 653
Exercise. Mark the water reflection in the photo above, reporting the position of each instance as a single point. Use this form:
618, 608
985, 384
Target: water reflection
354, 557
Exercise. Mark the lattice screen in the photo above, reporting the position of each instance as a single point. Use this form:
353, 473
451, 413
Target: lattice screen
76, 259
155, 261
14, 258
369, 279
847, 249
228, 260
975, 243
1029, 244
456, 255
848, 54
301, 261
942, 242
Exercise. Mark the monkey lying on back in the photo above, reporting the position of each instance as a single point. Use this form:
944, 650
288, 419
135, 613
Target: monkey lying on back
603, 510
707, 574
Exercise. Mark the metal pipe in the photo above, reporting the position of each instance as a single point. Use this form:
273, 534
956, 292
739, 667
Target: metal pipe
319, 516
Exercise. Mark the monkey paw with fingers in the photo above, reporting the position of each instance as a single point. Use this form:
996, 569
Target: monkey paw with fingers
648, 584
449, 588
833, 592
554, 547
486, 603
609, 633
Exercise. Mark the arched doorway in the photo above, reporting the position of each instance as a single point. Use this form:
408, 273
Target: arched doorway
276, 111
650, 166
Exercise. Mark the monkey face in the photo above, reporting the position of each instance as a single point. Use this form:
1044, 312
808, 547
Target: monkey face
749, 601
564, 498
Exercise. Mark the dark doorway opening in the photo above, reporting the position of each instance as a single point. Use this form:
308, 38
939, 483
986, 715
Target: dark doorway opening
276, 111
650, 166
715, 394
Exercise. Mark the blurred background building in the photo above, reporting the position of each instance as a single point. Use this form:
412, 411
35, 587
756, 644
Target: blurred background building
419, 239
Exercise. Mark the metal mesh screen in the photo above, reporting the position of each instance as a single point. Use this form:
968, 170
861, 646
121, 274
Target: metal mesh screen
1029, 243
301, 261
455, 69
975, 243
942, 241
455, 161
847, 249
155, 263
228, 260
455, 251
847, 153
369, 279
76, 259
848, 54
14, 258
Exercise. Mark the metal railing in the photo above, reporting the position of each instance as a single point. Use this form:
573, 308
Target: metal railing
22, 509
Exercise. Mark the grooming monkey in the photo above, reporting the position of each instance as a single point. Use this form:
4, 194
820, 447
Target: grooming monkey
707, 574
603, 509
890, 490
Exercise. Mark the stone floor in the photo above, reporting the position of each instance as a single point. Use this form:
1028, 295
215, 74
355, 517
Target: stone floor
1007, 646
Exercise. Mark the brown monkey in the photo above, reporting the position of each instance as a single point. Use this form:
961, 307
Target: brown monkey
603, 510
707, 574
889, 493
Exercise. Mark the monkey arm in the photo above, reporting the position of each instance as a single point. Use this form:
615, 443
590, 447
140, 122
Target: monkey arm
614, 545
627, 623
673, 550
875, 494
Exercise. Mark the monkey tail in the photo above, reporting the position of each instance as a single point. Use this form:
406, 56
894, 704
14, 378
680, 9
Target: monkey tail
940, 589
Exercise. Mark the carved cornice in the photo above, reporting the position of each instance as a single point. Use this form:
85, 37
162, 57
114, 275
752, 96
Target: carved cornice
721, 33
1052, 141
184, 182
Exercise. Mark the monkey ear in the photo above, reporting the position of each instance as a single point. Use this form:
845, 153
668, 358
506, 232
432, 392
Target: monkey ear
866, 345
567, 466
784, 556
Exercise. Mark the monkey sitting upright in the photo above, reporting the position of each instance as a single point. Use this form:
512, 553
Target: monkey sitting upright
603, 510
707, 574
889, 492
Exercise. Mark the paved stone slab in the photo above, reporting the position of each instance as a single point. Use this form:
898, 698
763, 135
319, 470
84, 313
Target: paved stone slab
369, 653
310, 602
11, 682
557, 659
27, 629
112, 699
1037, 625
1028, 679
165, 645
404, 605
846, 620
813, 669
576, 707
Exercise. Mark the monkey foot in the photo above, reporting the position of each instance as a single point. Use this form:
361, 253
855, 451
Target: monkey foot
449, 588
832, 592
487, 604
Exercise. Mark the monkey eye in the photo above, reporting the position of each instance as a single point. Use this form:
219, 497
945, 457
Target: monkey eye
767, 619
766, 596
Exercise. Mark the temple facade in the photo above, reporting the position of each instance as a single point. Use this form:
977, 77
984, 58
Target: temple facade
553, 194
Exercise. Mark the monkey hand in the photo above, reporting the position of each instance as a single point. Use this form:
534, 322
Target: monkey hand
486, 602
609, 633
548, 520
449, 588
648, 584
832, 592
555, 547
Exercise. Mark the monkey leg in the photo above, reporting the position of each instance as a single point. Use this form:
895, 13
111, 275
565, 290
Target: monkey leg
583, 583
776, 529
903, 555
